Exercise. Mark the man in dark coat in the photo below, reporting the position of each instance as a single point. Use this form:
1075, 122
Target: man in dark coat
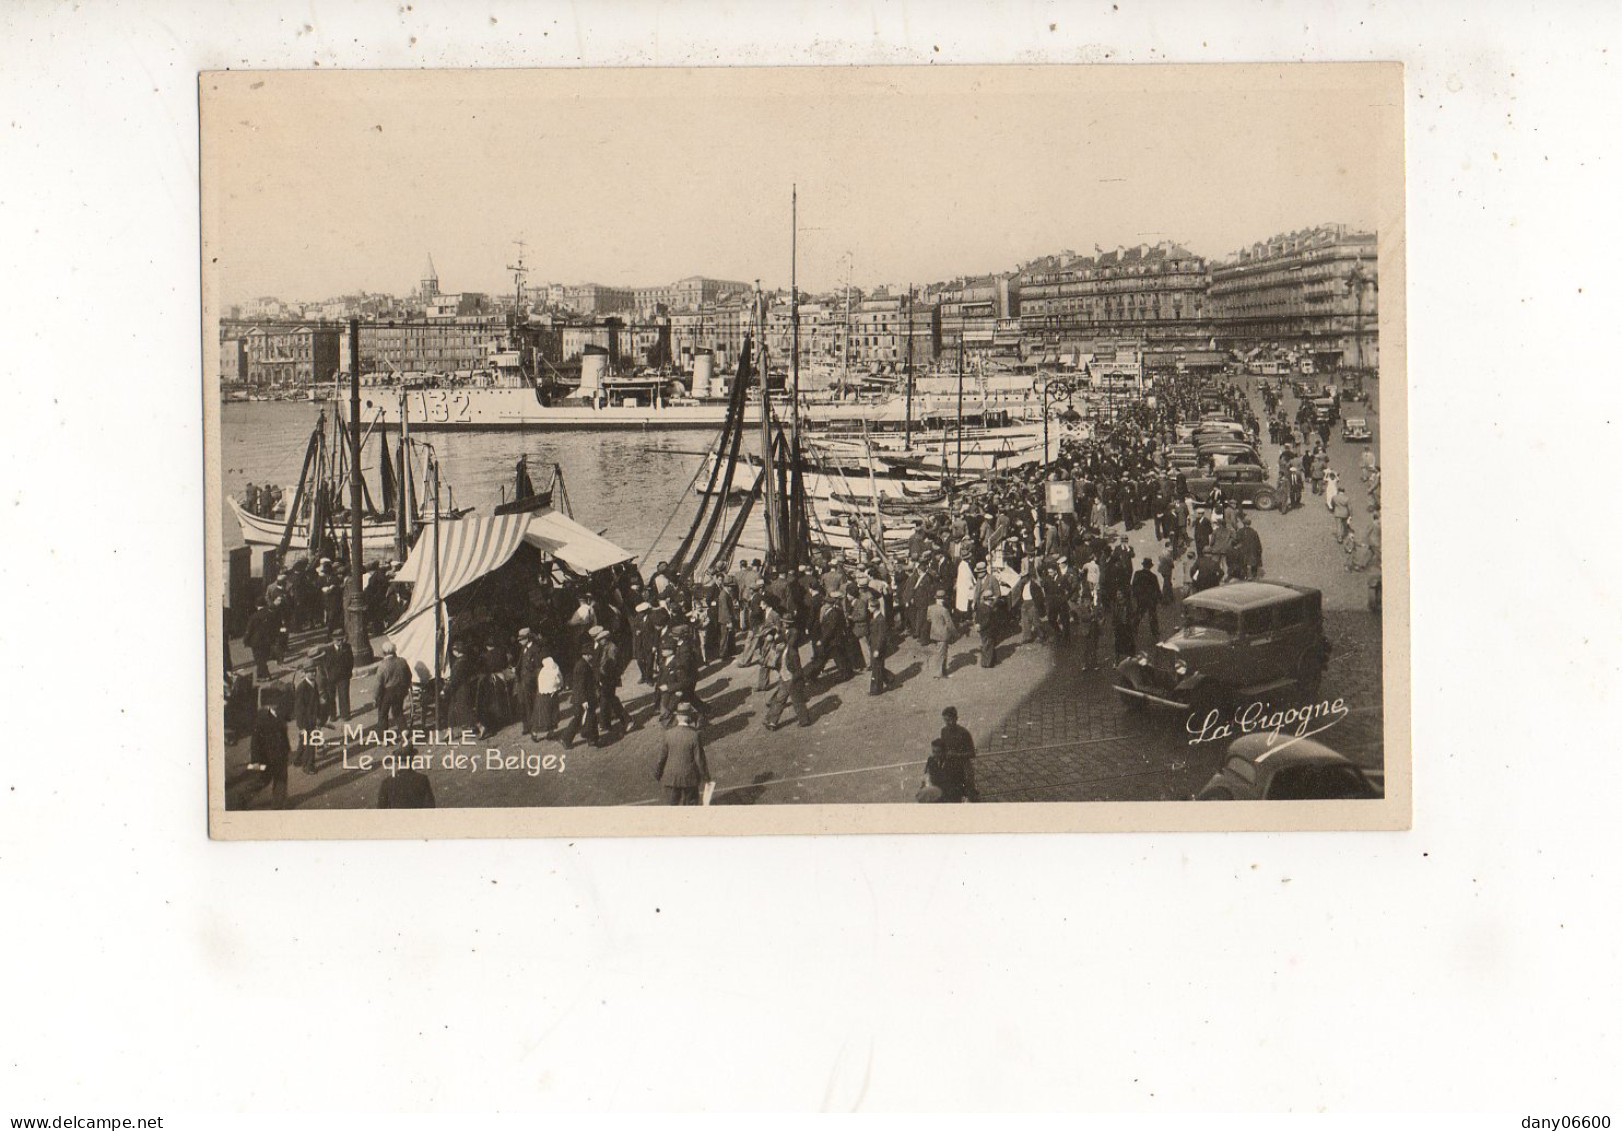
582, 700
1146, 598
340, 661
957, 749
307, 714
262, 633
525, 669
268, 748
682, 769
460, 685
878, 642
829, 643
606, 660
406, 788
1250, 548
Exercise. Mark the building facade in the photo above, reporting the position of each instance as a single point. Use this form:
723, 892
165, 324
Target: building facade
288, 355
428, 347
595, 298
969, 313
1156, 294
1315, 290
685, 294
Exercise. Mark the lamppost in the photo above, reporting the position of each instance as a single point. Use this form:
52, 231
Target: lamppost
1054, 392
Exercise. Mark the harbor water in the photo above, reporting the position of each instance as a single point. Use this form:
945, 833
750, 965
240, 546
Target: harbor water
624, 485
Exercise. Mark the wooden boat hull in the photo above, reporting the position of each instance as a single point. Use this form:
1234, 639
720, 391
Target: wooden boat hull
258, 530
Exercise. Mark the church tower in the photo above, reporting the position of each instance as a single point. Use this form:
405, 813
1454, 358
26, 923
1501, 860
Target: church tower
430, 281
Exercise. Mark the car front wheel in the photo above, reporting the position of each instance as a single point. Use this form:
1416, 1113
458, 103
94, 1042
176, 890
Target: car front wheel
1266, 501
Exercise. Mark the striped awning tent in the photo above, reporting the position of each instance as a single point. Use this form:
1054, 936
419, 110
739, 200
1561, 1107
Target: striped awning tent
470, 548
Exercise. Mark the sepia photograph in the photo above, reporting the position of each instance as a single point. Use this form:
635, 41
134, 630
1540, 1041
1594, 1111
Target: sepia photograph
818, 447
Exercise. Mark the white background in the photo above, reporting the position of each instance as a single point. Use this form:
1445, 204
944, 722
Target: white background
1469, 964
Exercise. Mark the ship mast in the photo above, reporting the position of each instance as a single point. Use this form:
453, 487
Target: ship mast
796, 489
794, 312
519, 271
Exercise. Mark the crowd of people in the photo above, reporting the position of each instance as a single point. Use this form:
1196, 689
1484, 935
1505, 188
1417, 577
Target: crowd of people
993, 561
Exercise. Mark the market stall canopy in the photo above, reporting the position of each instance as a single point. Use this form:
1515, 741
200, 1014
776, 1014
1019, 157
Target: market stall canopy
472, 547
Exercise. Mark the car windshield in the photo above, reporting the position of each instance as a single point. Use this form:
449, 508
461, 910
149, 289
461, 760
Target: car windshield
1199, 621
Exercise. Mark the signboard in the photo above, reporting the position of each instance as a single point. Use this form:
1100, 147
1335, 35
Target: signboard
1061, 496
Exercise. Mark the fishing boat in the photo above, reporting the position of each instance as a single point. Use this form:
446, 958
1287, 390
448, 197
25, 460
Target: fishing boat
313, 517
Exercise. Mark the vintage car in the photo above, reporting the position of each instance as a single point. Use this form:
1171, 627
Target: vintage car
1238, 642
1355, 429
1237, 450
1182, 456
1240, 482
1265, 767
1203, 436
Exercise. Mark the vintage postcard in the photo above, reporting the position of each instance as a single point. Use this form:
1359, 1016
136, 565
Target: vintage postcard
785, 450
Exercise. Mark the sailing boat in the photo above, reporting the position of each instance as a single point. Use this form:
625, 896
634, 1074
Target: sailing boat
313, 517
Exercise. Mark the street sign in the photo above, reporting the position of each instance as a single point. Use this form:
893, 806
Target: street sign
1061, 496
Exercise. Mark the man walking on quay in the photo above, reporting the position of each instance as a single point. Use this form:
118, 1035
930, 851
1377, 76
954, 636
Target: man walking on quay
269, 750
878, 641
393, 685
263, 631
942, 630
682, 769
582, 700
957, 748
790, 682
340, 661
1146, 598
1089, 621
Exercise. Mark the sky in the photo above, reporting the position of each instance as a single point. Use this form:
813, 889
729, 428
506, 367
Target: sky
317, 184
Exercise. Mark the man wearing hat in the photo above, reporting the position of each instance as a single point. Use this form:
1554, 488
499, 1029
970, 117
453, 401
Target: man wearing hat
682, 769
606, 660
525, 668
785, 661
306, 713
268, 748
340, 663
582, 700
393, 686
878, 638
942, 631
1146, 599
644, 641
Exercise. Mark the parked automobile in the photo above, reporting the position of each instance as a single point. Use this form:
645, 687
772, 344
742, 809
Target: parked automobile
1241, 483
1207, 435
1355, 429
1263, 767
1237, 642
1183, 456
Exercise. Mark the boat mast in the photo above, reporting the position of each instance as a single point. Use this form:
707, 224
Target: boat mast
794, 312
767, 463
355, 622
960, 403
796, 491
907, 442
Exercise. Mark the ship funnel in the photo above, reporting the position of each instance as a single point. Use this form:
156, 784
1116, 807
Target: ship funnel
703, 374
593, 368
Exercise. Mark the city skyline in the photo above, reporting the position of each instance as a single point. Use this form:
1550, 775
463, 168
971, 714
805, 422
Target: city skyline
333, 184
